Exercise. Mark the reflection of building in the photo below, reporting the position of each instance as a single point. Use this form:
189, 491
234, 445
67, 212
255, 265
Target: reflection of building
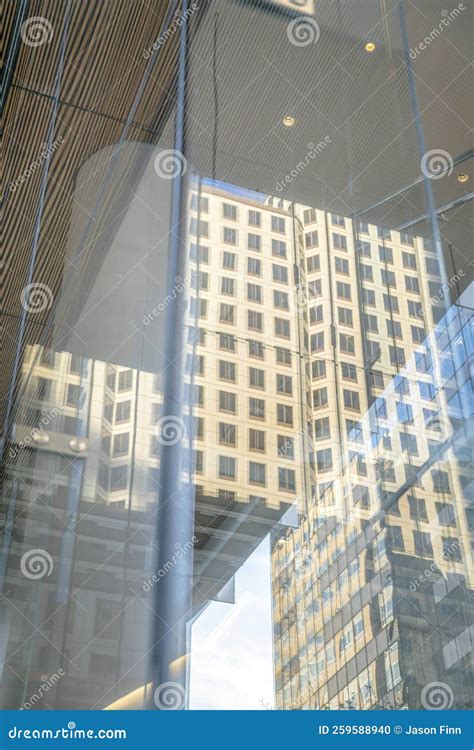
356, 624
310, 382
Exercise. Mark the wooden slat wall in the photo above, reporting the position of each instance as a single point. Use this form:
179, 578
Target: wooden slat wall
103, 68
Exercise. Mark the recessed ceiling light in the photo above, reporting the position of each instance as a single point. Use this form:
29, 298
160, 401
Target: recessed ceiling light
289, 121
370, 47
463, 177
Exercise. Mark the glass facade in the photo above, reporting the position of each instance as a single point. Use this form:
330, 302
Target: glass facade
237, 374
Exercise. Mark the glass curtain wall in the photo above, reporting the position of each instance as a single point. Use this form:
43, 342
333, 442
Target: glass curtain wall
237, 382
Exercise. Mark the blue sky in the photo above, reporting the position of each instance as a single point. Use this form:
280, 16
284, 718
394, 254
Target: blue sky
231, 650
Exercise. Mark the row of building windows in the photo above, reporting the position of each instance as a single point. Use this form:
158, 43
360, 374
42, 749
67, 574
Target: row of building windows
257, 472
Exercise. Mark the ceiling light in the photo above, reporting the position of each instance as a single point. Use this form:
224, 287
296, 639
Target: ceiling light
463, 177
370, 47
289, 121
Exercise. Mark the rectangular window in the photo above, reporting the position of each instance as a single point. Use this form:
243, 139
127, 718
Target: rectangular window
337, 220
256, 377
390, 303
324, 459
279, 248
282, 328
199, 228
409, 260
348, 371
227, 402
320, 397
257, 440
278, 224
199, 203
256, 349
284, 384
254, 320
322, 428
309, 216
368, 297
227, 370
228, 286
257, 473
344, 316
311, 239
227, 467
255, 218
280, 299
346, 343
125, 380
316, 314
351, 400
363, 248
227, 313
121, 444
397, 356
370, 323
199, 253
254, 242
341, 265
122, 411
285, 414
227, 341
366, 273
394, 329
423, 546
388, 278
257, 408
339, 241
376, 379
317, 341
415, 309
318, 369
280, 273
313, 263
230, 236
286, 480
229, 211
254, 293
286, 446
314, 288
412, 284
385, 254
227, 434
254, 266
406, 238
343, 290
283, 356
418, 334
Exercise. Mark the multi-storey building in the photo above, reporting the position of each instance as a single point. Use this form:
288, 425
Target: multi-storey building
311, 379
